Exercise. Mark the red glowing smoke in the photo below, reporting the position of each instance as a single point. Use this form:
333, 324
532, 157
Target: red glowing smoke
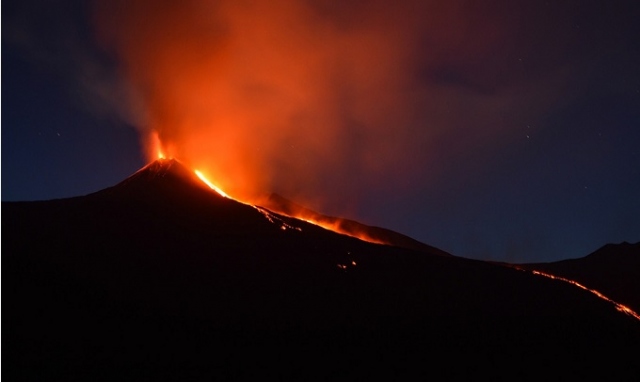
305, 98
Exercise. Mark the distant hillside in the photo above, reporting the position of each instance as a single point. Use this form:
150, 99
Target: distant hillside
613, 270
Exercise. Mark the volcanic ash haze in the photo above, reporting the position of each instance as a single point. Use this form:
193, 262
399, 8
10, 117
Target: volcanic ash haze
314, 100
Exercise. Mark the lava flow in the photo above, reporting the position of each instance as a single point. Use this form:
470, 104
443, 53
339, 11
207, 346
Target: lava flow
211, 185
158, 148
622, 308
336, 226
332, 225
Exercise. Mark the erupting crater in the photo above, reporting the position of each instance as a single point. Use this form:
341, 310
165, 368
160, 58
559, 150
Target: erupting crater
276, 207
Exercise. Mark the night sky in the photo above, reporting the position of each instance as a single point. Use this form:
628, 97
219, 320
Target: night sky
496, 130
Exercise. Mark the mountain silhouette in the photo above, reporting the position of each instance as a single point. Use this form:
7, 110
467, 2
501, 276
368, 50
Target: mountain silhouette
161, 278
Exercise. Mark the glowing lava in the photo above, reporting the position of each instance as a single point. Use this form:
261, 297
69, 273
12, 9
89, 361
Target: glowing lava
622, 308
159, 148
332, 226
266, 213
335, 226
211, 185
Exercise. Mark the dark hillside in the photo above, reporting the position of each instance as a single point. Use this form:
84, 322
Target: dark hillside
160, 278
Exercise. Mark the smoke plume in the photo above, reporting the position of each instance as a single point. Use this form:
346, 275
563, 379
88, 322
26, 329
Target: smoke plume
312, 99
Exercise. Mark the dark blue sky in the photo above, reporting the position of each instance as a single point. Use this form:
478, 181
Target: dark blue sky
523, 146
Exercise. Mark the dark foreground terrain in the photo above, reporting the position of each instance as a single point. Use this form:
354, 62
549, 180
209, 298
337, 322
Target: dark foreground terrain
159, 278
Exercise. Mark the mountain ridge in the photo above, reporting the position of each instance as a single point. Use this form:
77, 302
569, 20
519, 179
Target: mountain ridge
173, 173
158, 277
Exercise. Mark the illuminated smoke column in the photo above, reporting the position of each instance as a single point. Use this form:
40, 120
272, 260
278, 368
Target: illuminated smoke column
315, 100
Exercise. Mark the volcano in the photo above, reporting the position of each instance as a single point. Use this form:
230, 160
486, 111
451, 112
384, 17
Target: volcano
161, 278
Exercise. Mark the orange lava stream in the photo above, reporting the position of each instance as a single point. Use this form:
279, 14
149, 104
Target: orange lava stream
159, 150
618, 306
335, 227
275, 220
266, 213
211, 185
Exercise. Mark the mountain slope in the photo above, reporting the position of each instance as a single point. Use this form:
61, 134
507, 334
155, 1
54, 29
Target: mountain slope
285, 206
612, 269
159, 277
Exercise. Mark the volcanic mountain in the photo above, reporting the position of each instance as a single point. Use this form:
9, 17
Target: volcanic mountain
162, 278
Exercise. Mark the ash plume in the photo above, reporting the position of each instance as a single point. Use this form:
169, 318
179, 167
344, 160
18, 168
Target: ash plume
316, 100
